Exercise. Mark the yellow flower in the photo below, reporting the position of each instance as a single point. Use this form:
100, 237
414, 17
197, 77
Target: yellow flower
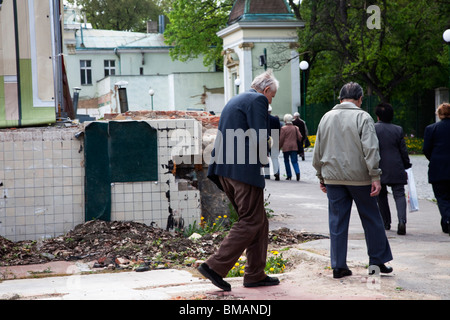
236, 264
271, 269
242, 267
219, 217
225, 216
275, 252
241, 272
202, 218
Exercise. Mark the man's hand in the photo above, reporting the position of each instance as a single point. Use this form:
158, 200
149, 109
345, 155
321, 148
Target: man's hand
376, 188
323, 187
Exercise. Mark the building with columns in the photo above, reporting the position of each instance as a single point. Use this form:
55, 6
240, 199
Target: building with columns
262, 34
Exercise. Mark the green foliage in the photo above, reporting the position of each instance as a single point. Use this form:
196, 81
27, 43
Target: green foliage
405, 55
193, 26
221, 224
275, 264
126, 15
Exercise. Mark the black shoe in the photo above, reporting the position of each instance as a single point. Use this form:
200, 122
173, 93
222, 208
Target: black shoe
382, 267
298, 176
277, 177
268, 281
288, 178
340, 272
387, 226
214, 277
401, 229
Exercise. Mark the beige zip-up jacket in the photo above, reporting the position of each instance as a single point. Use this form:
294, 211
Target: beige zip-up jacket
346, 150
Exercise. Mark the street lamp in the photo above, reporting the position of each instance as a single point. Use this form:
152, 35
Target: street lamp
446, 37
151, 92
237, 83
304, 65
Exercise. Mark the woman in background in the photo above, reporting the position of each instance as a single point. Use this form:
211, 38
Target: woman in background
436, 147
289, 136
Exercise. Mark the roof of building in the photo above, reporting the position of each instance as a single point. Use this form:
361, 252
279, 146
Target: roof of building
111, 39
260, 10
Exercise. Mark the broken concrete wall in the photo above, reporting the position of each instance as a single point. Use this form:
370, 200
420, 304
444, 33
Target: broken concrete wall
191, 173
169, 202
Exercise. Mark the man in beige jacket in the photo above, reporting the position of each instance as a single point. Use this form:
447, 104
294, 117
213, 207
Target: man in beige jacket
346, 158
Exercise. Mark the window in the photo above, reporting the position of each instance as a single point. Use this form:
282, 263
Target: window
86, 72
110, 67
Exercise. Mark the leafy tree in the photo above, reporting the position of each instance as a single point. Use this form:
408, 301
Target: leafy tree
400, 54
193, 26
127, 15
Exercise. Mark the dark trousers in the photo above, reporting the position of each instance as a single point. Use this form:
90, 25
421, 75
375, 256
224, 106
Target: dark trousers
340, 199
398, 191
442, 193
250, 233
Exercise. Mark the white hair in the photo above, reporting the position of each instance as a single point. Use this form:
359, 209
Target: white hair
265, 80
287, 118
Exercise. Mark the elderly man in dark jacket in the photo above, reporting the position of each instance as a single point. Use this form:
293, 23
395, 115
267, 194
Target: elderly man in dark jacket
239, 155
394, 160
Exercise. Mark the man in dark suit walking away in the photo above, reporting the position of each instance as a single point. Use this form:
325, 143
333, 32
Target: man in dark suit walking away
394, 160
238, 158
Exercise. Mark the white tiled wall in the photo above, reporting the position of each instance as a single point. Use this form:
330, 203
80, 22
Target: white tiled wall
42, 171
43, 182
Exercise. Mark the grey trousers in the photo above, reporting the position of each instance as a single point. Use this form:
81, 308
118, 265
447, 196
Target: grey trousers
398, 191
340, 199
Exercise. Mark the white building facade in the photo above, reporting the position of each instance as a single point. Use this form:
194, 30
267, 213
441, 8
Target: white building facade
96, 60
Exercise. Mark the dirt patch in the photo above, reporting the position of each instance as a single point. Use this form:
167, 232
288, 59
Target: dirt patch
126, 242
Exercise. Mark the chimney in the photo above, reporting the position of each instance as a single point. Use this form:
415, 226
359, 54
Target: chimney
162, 24
152, 26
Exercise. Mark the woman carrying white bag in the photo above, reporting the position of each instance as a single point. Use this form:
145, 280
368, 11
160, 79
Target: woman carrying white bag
394, 160
413, 200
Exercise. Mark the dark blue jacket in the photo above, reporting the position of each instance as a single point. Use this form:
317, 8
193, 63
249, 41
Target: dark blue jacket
436, 147
240, 149
274, 124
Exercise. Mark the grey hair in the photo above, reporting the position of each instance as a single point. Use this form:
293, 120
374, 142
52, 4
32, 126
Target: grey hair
265, 80
351, 90
287, 118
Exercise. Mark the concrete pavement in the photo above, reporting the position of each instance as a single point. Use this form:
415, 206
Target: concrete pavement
421, 260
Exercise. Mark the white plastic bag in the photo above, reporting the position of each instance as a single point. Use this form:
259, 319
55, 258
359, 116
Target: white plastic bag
413, 201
